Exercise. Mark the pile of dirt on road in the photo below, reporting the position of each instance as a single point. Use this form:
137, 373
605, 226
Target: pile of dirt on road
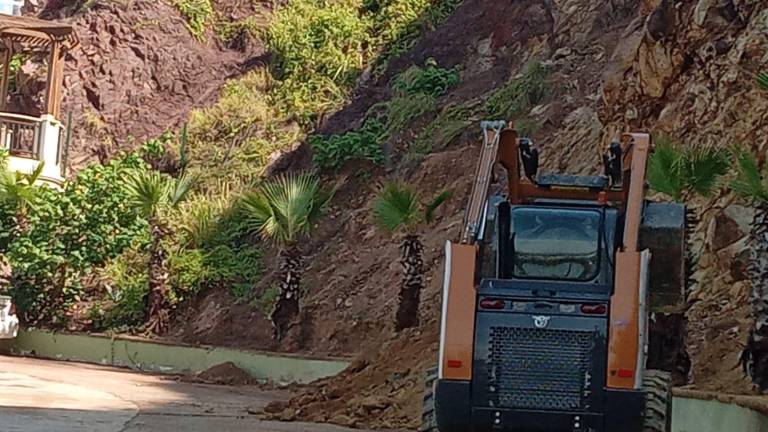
222, 374
380, 390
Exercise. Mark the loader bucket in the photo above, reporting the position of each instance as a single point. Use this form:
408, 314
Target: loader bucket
663, 232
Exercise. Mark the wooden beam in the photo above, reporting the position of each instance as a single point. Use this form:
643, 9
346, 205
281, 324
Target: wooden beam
6, 78
59, 80
53, 85
42, 37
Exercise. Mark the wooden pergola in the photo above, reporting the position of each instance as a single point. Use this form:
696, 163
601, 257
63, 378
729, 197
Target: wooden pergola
22, 34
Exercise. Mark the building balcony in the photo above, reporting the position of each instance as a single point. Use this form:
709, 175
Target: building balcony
30, 141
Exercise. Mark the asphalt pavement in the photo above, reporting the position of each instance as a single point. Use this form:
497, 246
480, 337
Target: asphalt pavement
51, 396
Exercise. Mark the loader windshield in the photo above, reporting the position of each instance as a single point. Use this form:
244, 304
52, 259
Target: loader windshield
552, 243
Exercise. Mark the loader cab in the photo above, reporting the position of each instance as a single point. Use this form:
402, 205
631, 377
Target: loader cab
541, 320
569, 247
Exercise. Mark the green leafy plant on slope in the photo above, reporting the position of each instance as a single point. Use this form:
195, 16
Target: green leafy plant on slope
198, 14
333, 151
414, 94
396, 24
318, 50
520, 94
398, 210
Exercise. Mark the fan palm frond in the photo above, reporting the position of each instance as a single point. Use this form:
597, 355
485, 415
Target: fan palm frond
437, 201
704, 166
284, 209
762, 80
396, 207
179, 189
665, 172
750, 182
147, 191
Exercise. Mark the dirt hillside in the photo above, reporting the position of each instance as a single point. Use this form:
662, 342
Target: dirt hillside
139, 72
685, 69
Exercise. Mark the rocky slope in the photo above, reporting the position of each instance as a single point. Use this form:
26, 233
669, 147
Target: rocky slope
139, 72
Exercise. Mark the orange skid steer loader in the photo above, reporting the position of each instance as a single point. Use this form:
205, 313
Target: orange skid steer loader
547, 296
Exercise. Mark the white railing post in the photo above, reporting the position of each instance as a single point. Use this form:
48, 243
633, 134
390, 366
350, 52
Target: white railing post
49, 136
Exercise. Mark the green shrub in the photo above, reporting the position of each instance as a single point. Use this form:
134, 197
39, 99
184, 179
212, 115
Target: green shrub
452, 121
429, 80
238, 268
265, 301
396, 24
230, 31
68, 234
414, 94
318, 50
188, 272
198, 14
520, 94
403, 109
125, 279
333, 151
231, 141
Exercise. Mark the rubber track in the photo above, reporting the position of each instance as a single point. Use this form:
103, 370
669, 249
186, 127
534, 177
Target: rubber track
657, 386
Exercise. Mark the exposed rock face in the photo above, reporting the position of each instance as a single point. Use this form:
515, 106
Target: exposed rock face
697, 85
139, 72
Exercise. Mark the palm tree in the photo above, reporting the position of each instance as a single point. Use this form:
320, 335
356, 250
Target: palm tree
752, 183
155, 194
284, 211
682, 173
398, 209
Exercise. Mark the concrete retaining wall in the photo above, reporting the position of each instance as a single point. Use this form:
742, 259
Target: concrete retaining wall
164, 358
698, 415
692, 411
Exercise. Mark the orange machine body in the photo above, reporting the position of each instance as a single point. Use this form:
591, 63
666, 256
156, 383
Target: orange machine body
625, 344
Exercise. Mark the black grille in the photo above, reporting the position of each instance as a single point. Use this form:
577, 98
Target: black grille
533, 368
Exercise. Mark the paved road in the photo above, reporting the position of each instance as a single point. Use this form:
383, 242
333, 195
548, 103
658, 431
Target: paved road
49, 396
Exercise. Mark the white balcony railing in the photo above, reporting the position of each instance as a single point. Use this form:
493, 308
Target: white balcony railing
32, 140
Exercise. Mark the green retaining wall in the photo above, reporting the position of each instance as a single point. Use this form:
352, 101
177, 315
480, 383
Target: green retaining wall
698, 415
690, 413
165, 358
